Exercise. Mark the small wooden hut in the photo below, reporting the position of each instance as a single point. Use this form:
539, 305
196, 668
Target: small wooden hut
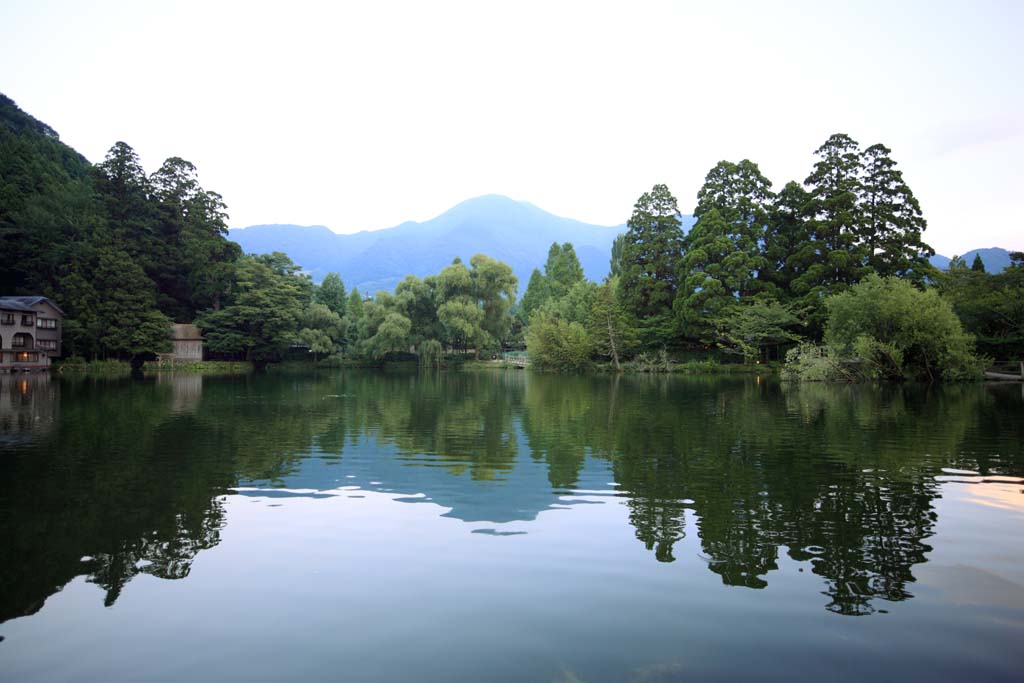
186, 343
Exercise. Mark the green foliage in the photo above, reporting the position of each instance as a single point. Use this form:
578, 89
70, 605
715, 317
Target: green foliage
331, 293
262, 316
712, 271
978, 266
431, 354
562, 270
810, 362
388, 331
750, 330
991, 306
833, 257
893, 223
884, 328
574, 305
653, 362
612, 330
556, 344
536, 294
354, 307
650, 261
494, 290
323, 330
722, 252
416, 300
788, 248
615, 265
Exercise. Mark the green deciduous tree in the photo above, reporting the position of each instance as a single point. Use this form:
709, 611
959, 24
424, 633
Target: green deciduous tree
753, 329
556, 344
891, 330
264, 311
611, 329
990, 306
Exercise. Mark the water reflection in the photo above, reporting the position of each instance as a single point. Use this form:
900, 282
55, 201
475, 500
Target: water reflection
29, 407
110, 479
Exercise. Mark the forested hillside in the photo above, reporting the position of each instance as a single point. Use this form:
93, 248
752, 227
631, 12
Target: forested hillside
125, 253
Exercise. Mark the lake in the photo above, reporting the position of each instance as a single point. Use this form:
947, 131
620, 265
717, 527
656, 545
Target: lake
508, 526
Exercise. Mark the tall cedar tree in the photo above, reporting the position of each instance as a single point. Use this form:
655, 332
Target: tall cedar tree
834, 256
892, 220
722, 253
650, 261
785, 233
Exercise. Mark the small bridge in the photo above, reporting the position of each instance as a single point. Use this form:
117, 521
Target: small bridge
518, 358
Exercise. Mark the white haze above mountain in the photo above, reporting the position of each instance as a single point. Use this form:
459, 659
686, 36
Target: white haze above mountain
362, 115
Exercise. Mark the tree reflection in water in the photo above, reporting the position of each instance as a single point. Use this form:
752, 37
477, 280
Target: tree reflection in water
114, 478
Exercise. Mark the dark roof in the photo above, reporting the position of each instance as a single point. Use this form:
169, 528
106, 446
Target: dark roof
25, 303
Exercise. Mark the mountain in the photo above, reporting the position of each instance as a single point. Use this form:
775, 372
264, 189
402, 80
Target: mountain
515, 232
996, 259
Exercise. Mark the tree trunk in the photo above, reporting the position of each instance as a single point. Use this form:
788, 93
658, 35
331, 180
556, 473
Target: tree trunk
611, 345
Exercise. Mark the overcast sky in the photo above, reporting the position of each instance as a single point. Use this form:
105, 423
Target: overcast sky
373, 113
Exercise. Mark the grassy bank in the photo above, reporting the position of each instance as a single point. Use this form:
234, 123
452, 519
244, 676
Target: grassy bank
118, 368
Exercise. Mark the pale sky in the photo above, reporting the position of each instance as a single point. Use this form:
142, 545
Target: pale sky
363, 115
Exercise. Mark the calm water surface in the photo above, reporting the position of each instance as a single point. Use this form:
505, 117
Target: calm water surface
508, 527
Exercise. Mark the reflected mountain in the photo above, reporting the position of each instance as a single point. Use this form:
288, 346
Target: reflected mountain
110, 479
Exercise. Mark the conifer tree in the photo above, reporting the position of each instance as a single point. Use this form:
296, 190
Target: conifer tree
650, 262
536, 294
833, 256
331, 293
787, 243
893, 223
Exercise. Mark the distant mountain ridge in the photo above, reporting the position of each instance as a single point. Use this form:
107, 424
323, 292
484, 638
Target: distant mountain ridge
515, 232
996, 259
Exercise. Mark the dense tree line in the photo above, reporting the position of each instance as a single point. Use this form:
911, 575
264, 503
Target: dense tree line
125, 253
759, 269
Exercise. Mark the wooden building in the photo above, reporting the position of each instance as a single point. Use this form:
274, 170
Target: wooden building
186, 343
30, 333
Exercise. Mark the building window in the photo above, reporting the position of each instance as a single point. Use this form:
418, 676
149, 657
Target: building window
46, 323
47, 344
26, 357
6, 319
21, 340
27, 321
